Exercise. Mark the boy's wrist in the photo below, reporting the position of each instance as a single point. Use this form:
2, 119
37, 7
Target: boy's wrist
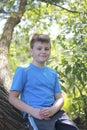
53, 110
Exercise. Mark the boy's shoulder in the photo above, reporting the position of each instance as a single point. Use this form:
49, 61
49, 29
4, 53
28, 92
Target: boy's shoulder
51, 70
24, 67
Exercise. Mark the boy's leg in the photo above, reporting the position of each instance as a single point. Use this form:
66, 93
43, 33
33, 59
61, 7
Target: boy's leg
63, 122
60, 121
32, 123
36, 124
60, 126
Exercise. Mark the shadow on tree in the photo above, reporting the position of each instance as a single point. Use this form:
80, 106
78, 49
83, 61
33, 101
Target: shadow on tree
10, 118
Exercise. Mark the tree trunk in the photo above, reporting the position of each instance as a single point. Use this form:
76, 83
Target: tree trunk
10, 118
13, 20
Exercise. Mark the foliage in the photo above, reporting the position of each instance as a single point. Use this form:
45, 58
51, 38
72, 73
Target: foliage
73, 62
67, 26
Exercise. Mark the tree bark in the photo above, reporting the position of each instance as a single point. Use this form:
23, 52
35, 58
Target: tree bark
13, 20
10, 118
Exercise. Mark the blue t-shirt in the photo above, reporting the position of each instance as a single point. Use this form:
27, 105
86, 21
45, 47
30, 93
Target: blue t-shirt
37, 86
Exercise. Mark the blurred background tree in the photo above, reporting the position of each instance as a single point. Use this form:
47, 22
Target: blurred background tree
66, 23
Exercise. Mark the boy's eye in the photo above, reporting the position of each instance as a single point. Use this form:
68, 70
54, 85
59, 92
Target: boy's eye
39, 48
46, 49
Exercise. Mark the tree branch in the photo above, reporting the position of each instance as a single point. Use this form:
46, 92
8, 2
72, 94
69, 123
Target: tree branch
56, 4
12, 21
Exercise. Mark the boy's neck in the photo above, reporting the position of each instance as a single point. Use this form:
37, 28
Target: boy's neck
41, 65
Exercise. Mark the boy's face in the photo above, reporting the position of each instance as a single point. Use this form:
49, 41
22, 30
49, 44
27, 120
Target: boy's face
40, 52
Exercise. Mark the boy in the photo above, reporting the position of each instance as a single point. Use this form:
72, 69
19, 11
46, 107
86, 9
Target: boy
41, 98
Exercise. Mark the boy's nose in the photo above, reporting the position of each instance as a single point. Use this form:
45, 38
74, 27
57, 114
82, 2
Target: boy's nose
43, 50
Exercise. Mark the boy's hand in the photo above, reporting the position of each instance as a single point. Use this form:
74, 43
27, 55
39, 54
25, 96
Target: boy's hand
46, 113
36, 113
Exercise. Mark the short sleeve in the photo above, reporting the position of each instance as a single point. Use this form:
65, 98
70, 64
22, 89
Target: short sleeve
17, 83
57, 85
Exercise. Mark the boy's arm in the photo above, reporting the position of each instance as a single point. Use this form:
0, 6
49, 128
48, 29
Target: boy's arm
20, 105
58, 103
46, 113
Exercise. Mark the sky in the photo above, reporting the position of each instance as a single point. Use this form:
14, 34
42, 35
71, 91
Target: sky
2, 22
